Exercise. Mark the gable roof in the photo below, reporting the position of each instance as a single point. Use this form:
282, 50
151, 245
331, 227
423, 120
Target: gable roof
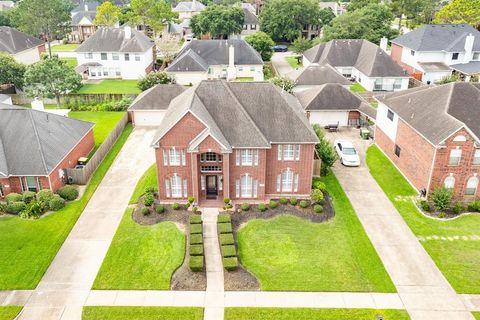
199, 54
241, 114
91, 6
79, 16
249, 17
189, 6
157, 97
361, 54
114, 40
13, 41
42, 142
315, 75
437, 112
439, 37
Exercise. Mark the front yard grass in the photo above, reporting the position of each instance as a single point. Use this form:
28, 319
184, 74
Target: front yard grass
458, 259
111, 86
288, 253
293, 62
476, 315
104, 121
9, 312
308, 314
29, 246
65, 47
149, 179
142, 313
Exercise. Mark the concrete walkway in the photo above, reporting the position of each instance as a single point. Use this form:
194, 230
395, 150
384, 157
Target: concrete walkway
423, 289
280, 63
66, 285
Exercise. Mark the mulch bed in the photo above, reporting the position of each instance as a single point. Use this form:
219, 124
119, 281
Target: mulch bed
240, 280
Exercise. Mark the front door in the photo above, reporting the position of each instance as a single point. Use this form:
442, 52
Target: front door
212, 187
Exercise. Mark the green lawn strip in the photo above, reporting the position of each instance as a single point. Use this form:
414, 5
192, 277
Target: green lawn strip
29, 246
458, 260
65, 47
149, 179
9, 312
476, 315
308, 314
142, 313
293, 62
141, 257
72, 62
111, 86
288, 253
357, 87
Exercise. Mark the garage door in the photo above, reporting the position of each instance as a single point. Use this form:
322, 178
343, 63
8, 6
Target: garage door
324, 118
148, 118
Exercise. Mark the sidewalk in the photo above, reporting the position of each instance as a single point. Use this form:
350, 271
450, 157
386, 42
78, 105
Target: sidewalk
280, 64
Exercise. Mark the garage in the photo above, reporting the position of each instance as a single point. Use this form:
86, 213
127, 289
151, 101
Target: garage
143, 118
324, 118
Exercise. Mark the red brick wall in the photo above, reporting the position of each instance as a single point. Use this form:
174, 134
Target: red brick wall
396, 55
256, 172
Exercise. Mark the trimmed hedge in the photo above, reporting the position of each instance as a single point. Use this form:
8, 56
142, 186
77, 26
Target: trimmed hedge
195, 219
56, 203
224, 217
160, 208
229, 251
196, 250
230, 264
196, 229
262, 207
226, 238
28, 196
245, 206
225, 228
15, 207
13, 197
196, 263
69, 193
196, 239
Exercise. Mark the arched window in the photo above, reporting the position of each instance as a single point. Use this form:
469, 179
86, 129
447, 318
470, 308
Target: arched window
460, 138
472, 185
449, 182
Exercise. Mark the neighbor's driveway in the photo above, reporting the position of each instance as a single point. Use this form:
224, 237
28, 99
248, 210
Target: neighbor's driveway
423, 289
280, 63
65, 286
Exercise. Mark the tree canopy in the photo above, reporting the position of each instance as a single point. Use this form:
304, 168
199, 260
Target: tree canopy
300, 45
219, 21
359, 4
261, 42
150, 12
326, 16
11, 72
108, 15
460, 11
285, 19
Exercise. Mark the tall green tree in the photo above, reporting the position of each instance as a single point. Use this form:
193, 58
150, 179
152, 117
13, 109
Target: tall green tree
5, 18
460, 11
326, 16
48, 19
261, 42
359, 4
407, 8
108, 15
151, 13
300, 45
219, 21
50, 78
285, 19
11, 72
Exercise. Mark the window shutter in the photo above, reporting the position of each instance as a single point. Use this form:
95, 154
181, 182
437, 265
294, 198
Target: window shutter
185, 188
184, 162
255, 157
237, 188
297, 152
295, 183
167, 188
165, 157
255, 185
220, 184
237, 157
279, 152
279, 182
202, 182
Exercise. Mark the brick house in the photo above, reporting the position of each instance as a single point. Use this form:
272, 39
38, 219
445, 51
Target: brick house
431, 135
248, 141
36, 147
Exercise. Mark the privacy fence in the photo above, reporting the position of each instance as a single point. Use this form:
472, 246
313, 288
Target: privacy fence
96, 98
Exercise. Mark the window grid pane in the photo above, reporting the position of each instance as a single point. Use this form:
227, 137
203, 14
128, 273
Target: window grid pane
287, 181
174, 157
288, 152
455, 156
476, 157
176, 186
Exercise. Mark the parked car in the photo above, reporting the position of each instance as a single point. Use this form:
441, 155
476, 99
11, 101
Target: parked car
347, 153
280, 48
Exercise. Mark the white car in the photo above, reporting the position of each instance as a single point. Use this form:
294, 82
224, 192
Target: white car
347, 153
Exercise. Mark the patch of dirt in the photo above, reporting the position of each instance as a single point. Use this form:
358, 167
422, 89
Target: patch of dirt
240, 280
177, 216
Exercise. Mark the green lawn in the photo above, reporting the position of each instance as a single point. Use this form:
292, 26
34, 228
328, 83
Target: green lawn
142, 313
293, 62
458, 260
476, 315
111, 86
104, 121
357, 87
291, 254
72, 62
65, 47
9, 312
29, 246
149, 179
309, 314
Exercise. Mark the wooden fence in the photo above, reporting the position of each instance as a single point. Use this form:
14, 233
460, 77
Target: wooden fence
81, 176
94, 98
316, 167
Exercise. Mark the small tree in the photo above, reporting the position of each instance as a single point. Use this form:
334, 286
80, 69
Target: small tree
284, 83
50, 78
219, 21
108, 15
301, 44
325, 151
11, 72
153, 79
441, 198
261, 42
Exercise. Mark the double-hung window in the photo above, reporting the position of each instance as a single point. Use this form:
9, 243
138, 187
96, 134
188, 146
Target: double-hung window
476, 157
287, 181
103, 56
472, 185
246, 157
289, 152
174, 157
115, 56
88, 55
449, 182
137, 57
455, 157
127, 56
246, 187
176, 186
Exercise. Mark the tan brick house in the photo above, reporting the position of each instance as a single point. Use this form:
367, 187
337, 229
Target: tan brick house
246, 141
432, 135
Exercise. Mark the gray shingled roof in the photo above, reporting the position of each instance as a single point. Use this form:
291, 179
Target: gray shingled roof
249, 17
189, 6
434, 66
437, 112
78, 17
471, 68
315, 75
439, 37
91, 5
113, 40
157, 97
13, 41
361, 54
213, 52
34, 142
242, 114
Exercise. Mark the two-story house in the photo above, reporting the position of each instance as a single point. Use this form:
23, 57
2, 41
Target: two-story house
432, 135
82, 21
434, 51
187, 9
120, 53
248, 141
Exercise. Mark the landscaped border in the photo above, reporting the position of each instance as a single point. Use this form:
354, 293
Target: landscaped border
142, 313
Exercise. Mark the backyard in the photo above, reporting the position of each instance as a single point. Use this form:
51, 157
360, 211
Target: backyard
65, 47
72, 62
142, 313
9, 312
458, 259
288, 253
111, 87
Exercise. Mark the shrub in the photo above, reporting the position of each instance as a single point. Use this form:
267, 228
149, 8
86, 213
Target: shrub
245, 206
13, 197
195, 219
284, 83
32, 210
150, 189
262, 207
15, 207
317, 196
196, 250
225, 228
474, 206
68, 193
44, 196
145, 211
196, 239
272, 204
458, 208
441, 214
325, 151
224, 217
229, 251
425, 206
293, 201
28, 196
318, 208
441, 198
196, 263
318, 184
226, 238
160, 208
226, 200
191, 200
154, 78
304, 204
230, 264
56, 203
195, 209
148, 199
3, 207
283, 200
227, 206
175, 206
196, 229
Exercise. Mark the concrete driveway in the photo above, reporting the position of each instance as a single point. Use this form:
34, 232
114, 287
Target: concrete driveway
280, 63
423, 289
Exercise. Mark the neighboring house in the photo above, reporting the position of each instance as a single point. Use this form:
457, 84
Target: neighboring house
120, 53
311, 31
216, 59
361, 60
250, 23
220, 140
150, 106
36, 147
316, 75
24, 48
177, 31
187, 9
6, 5
431, 134
336, 7
250, 7
332, 103
82, 21
433, 51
